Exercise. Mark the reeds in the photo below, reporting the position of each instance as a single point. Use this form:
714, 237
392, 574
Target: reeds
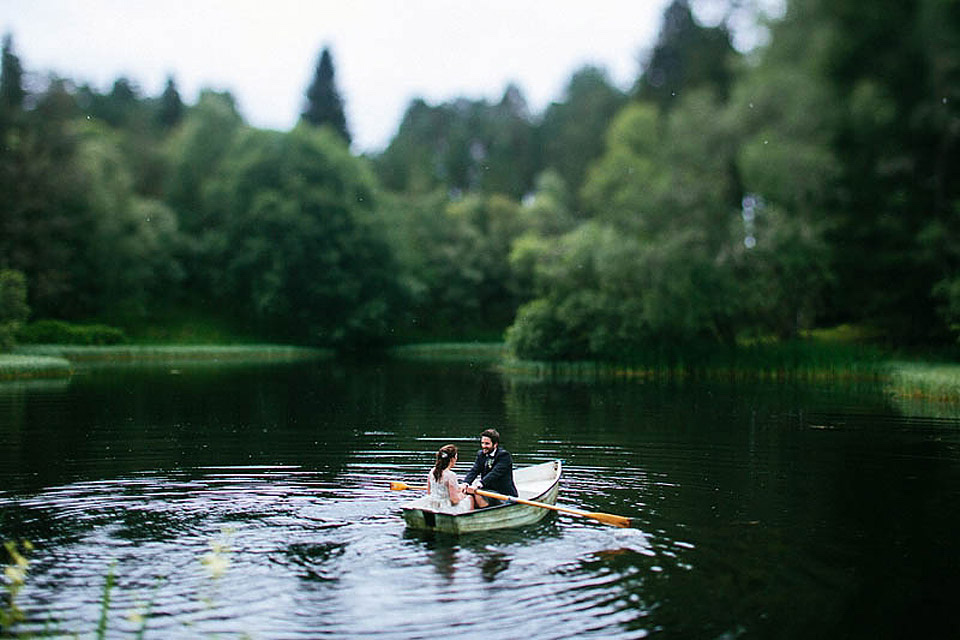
12, 617
761, 361
16, 366
175, 353
440, 351
937, 382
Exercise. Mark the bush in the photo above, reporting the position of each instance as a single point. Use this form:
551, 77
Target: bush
8, 335
13, 306
60, 332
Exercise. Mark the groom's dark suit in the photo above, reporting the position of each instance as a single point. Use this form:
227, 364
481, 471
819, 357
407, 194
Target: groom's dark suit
495, 471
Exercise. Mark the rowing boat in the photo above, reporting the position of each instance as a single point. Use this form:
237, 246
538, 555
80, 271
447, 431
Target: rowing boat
539, 483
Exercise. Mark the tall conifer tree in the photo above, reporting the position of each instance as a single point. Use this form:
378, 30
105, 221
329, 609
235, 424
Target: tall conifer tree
324, 104
686, 56
12, 92
171, 106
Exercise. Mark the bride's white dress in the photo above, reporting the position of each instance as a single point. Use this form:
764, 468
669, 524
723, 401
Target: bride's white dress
440, 493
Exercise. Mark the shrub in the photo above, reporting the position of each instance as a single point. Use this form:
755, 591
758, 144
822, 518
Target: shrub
13, 306
60, 332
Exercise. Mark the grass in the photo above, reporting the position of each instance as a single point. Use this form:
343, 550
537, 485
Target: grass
487, 351
839, 355
810, 360
17, 366
57, 360
169, 353
937, 382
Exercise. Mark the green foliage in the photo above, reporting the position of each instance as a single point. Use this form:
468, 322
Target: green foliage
171, 109
573, 130
16, 566
678, 252
453, 261
12, 92
133, 241
589, 307
194, 153
324, 104
13, 306
465, 146
16, 366
890, 74
808, 183
60, 332
948, 290
685, 57
302, 254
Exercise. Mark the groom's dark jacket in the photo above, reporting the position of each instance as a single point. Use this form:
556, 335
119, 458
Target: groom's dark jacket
495, 471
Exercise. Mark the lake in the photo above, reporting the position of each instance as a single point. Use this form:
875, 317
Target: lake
247, 501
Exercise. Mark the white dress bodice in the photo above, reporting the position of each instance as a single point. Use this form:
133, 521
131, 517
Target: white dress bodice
439, 493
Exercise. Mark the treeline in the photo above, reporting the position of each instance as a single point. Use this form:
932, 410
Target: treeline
724, 196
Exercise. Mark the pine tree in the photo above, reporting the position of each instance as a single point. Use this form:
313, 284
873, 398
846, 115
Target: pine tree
686, 56
11, 80
324, 105
171, 106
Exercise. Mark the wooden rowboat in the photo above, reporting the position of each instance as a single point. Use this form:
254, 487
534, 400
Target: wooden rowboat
539, 483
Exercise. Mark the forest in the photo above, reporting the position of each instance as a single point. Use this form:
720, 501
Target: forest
726, 196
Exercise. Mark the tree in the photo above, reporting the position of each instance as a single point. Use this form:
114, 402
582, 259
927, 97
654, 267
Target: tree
12, 92
572, 131
467, 146
119, 106
303, 256
324, 104
452, 258
512, 156
194, 154
686, 57
170, 110
858, 107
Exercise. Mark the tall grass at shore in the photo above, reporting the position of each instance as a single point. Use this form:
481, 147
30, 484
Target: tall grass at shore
483, 351
797, 360
931, 381
58, 360
174, 353
16, 366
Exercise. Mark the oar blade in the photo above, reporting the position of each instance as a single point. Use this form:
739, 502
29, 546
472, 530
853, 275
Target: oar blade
401, 486
609, 518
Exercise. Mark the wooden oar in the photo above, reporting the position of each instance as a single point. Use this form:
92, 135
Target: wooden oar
608, 518
400, 486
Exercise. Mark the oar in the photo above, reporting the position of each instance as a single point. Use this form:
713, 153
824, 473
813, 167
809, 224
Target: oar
608, 518
400, 486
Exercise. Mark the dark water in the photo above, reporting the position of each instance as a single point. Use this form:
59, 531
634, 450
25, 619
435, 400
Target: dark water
252, 502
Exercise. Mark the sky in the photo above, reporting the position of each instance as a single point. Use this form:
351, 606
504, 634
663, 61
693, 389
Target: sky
385, 52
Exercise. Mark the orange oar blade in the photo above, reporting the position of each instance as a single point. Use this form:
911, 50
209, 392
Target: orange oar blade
400, 486
609, 518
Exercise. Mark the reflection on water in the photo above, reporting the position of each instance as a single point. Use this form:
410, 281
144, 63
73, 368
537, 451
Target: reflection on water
253, 502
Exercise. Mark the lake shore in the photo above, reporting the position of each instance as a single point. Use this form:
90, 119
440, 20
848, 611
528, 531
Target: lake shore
910, 379
55, 360
916, 379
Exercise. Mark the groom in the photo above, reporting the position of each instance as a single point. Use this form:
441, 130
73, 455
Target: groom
494, 467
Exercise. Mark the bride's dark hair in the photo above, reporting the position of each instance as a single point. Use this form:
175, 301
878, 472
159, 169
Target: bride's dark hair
446, 455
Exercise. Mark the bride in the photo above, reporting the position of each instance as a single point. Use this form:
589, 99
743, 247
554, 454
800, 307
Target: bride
442, 486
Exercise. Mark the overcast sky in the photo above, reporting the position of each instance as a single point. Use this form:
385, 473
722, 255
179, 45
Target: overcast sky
385, 52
